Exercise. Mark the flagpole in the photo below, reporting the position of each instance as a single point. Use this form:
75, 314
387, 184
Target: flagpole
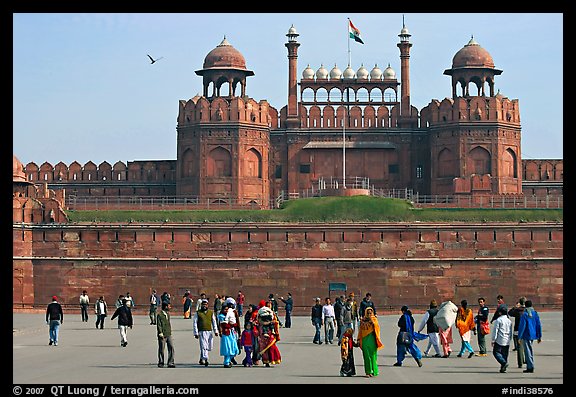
345, 114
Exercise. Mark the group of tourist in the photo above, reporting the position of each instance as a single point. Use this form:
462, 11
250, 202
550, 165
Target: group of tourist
518, 326
438, 322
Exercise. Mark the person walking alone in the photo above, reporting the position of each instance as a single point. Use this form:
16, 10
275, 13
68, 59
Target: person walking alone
125, 321
164, 332
289, 305
530, 329
101, 309
316, 317
54, 318
154, 301
84, 303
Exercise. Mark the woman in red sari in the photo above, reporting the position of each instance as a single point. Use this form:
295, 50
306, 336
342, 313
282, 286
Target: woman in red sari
268, 336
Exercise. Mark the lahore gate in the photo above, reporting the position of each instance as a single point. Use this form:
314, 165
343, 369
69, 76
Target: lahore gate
237, 152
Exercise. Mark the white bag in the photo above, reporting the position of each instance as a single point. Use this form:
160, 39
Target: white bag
446, 316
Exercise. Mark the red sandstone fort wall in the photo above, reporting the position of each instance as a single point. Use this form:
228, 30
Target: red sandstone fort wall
398, 263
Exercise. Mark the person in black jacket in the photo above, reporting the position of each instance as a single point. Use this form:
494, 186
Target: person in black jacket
316, 317
431, 329
338, 306
366, 302
54, 317
124, 315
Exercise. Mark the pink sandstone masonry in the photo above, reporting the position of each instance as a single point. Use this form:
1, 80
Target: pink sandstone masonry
398, 263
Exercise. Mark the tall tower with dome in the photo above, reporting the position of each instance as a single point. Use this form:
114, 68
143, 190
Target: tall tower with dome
223, 138
475, 135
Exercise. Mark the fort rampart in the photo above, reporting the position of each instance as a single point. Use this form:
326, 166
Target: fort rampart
397, 263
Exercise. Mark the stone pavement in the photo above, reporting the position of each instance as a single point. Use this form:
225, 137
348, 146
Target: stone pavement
86, 355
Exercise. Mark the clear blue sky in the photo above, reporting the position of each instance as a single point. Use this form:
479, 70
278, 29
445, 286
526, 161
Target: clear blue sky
83, 88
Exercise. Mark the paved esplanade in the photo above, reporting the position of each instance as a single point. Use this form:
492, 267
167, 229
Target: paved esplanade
93, 356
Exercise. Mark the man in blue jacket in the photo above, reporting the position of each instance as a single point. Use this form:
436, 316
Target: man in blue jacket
530, 328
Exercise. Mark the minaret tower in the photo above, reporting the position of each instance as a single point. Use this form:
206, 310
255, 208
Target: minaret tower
404, 121
292, 120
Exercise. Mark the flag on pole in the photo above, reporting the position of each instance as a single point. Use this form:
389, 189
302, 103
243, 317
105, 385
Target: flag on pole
354, 32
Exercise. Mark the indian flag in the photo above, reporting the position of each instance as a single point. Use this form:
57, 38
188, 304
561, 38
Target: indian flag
354, 32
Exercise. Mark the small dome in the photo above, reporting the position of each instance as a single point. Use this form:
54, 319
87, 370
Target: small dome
322, 73
362, 72
472, 55
18, 170
224, 56
292, 31
348, 73
308, 73
404, 31
389, 73
376, 73
335, 73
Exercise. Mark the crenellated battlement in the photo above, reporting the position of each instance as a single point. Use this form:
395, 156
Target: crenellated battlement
478, 108
203, 110
152, 170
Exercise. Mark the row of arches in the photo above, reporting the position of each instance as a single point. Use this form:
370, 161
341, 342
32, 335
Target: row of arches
338, 94
478, 162
219, 163
355, 117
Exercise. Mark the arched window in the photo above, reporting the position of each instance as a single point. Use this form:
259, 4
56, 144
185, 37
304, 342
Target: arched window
187, 163
253, 164
446, 163
479, 161
219, 163
509, 167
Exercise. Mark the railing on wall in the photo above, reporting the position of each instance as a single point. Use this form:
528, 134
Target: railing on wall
80, 203
84, 203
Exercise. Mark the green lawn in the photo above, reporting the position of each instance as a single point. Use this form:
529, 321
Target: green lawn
328, 209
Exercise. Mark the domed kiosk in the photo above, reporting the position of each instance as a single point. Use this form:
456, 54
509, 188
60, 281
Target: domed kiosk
472, 64
224, 64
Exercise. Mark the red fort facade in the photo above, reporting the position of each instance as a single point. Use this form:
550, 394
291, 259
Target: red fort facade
233, 149
358, 123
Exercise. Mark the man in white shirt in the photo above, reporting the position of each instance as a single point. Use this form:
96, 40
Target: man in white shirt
328, 318
501, 337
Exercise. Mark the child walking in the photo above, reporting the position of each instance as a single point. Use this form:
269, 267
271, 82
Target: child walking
347, 345
247, 340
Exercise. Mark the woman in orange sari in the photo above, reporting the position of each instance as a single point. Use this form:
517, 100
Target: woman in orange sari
369, 341
465, 325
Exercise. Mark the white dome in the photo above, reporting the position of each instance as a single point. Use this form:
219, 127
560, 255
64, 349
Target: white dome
292, 31
389, 73
376, 73
335, 73
348, 73
322, 73
308, 73
362, 72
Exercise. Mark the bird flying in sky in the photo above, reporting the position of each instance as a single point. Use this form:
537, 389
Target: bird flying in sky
152, 60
